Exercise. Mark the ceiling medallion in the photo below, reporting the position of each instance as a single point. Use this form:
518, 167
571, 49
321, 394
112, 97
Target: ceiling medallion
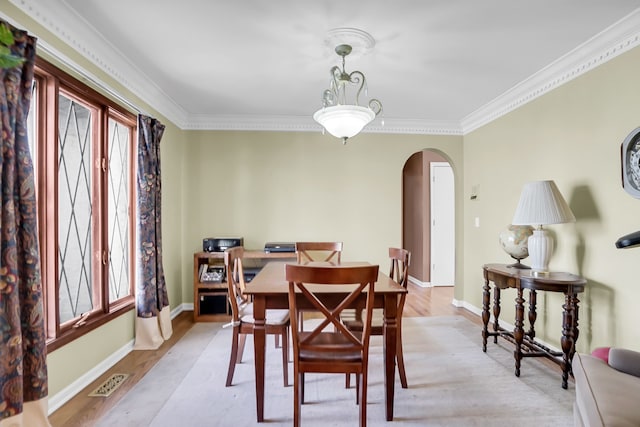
360, 41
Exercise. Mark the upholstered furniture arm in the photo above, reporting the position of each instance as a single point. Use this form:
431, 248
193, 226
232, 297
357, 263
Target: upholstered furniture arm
624, 360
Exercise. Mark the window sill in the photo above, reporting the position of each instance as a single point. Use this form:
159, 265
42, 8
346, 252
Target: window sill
91, 324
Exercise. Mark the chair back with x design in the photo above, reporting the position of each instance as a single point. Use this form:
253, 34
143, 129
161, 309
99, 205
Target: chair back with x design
330, 347
318, 251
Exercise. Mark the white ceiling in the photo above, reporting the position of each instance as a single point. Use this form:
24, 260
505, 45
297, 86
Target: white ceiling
438, 66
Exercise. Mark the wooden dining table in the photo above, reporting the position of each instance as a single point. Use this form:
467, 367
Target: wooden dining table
270, 289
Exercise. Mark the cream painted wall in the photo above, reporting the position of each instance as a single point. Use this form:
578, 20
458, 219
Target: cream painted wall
571, 135
287, 186
173, 210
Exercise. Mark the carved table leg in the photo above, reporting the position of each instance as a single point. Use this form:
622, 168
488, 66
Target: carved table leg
533, 315
567, 340
576, 331
496, 313
518, 332
486, 296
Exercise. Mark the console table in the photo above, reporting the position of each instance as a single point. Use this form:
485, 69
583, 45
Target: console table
504, 277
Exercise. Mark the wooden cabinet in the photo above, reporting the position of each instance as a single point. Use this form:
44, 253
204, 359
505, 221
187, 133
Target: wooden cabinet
210, 301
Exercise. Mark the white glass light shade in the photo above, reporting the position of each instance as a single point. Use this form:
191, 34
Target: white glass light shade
541, 203
344, 121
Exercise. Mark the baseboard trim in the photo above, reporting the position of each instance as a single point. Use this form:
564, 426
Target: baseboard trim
67, 393
419, 282
422, 284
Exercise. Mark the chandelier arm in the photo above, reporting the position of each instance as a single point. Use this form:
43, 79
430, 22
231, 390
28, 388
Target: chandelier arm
375, 105
357, 78
335, 84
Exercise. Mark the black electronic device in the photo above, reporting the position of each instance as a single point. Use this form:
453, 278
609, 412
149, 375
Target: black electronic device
213, 302
221, 244
279, 247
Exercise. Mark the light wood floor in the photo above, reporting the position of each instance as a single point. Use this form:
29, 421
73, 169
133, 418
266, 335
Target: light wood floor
84, 411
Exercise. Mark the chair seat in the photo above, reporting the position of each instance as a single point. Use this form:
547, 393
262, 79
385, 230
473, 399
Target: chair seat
273, 317
348, 317
333, 347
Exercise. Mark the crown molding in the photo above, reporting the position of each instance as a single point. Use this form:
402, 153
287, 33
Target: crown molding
307, 124
63, 22
620, 37
72, 29
414, 127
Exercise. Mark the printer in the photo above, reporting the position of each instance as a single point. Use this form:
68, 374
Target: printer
272, 247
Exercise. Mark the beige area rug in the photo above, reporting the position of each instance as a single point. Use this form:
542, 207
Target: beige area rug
451, 383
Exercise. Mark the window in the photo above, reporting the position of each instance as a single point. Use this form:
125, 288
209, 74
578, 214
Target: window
83, 146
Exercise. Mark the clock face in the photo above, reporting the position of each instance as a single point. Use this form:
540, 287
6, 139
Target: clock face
630, 154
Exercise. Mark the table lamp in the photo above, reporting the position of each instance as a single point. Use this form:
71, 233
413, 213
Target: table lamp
541, 204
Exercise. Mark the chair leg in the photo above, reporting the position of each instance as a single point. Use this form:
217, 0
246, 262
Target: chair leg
277, 340
302, 388
297, 397
358, 388
347, 381
243, 338
363, 398
233, 358
400, 358
285, 356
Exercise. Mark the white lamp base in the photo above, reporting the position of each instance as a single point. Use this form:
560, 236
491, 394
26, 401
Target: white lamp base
540, 246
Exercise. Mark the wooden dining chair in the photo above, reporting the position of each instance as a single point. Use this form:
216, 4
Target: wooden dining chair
330, 347
307, 252
318, 251
277, 321
399, 271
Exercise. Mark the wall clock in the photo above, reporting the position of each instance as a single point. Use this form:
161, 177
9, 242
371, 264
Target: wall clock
630, 157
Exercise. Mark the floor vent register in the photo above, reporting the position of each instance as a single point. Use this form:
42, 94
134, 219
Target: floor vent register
110, 385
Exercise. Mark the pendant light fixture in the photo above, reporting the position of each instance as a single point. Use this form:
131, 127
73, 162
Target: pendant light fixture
341, 114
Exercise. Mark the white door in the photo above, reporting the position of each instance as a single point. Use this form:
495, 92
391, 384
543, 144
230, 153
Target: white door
442, 224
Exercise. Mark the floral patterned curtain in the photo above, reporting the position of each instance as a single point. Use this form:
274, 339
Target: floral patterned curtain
153, 322
23, 367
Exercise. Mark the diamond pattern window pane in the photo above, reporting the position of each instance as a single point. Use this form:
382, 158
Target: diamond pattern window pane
118, 195
74, 208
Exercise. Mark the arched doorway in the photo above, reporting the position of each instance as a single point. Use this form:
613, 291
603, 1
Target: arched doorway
418, 219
